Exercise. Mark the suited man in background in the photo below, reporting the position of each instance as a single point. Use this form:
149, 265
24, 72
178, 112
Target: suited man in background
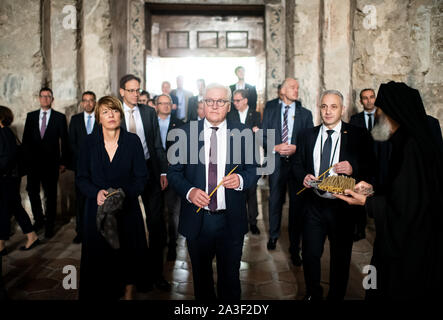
46, 145
193, 101
366, 118
287, 119
183, 97
218, 229
349, 150
142, 120
241, 84
167, 122
251, 118
80, 126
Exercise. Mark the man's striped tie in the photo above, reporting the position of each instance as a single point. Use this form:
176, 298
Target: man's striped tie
284, 135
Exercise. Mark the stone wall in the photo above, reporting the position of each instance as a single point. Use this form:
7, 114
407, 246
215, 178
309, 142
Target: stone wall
21, 61
406, 45
335, 48
38, 47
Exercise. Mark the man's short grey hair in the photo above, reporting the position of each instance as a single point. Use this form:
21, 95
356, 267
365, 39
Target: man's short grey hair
162, 95
335, 92
218, 86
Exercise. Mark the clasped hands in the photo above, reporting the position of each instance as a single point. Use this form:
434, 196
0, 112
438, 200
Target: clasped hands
201, 199
285, 149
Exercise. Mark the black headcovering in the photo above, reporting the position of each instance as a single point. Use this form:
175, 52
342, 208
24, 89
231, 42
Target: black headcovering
404, 105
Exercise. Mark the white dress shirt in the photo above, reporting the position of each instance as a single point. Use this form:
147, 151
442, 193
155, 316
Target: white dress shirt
335, 153
139, 127
222, 137
240, 86
40, 119
243, 115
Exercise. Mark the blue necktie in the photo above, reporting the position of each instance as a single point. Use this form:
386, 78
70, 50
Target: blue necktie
89, 125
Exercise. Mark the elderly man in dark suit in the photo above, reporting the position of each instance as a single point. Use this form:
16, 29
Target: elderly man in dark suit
46, 144
287, 119
218, 229
142, 120
251, 118
168, 122
81, 125
349, 150
241, 84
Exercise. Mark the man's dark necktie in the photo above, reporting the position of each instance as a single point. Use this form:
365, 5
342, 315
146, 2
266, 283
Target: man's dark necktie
284, 135
369, 122
212, 172
43, 127
326, 154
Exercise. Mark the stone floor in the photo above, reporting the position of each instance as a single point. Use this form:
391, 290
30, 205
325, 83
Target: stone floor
265, 275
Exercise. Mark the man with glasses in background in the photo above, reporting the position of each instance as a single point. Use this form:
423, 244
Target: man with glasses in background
143, 122
46, 145
81, 125
251, 118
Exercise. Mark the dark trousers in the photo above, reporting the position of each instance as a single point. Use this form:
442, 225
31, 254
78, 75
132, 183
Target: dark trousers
325, 217
80, 201
155, 221
280, 181
215, 240
251, 201
11, 205
173, 202
48, 178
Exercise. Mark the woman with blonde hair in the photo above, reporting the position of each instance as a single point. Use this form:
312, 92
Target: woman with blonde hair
113, 158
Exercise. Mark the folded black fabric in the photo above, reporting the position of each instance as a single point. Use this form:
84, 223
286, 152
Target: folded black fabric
107, 216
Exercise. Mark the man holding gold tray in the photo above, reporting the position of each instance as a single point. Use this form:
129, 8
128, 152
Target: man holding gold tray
333, 148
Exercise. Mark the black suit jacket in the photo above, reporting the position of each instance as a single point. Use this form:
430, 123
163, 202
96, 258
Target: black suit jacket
77, 133
252, 118
192, 108
358, 120
356, 146
157, 154
252, 95
183, 176
272, 120
51, 151
174, 123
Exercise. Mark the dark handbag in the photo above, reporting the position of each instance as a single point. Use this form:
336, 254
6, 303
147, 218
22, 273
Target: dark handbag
107, 214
